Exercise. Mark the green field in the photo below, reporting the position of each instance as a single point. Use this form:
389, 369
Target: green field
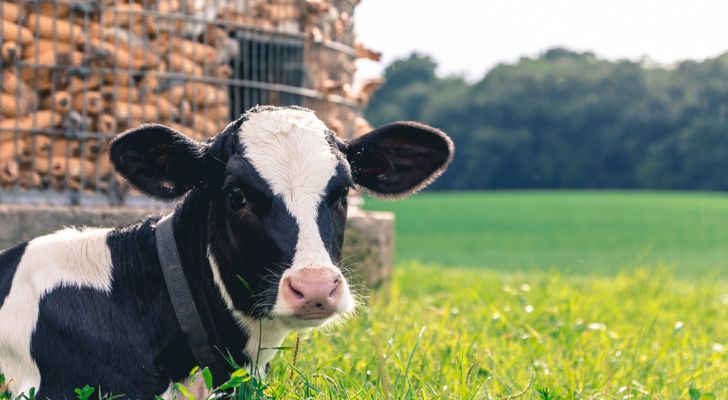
537, 295
545, 295
566, 231
448, 333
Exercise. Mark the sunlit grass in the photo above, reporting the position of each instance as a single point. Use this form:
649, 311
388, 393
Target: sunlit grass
448, 333
444, 333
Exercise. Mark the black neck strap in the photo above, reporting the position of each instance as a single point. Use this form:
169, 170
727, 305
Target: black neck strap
181, 297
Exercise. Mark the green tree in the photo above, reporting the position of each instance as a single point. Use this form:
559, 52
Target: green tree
570, 120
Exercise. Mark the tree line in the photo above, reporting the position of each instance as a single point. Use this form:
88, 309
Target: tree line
569, 119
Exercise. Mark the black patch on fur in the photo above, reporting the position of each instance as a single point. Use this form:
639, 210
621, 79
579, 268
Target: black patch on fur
9, 260
192, 228
400, 158
255, 245
331, 218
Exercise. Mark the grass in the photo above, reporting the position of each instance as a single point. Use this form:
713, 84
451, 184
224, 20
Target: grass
574, 232
437, 333
457, 333
535, 296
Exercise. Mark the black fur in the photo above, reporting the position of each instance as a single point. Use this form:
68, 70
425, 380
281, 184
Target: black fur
9, 260
332, 212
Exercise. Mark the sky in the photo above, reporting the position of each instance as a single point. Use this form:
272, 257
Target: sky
472, 36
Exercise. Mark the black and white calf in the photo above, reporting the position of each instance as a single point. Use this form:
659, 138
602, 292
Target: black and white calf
259, 230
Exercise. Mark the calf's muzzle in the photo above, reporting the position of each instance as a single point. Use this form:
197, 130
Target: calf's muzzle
313, 292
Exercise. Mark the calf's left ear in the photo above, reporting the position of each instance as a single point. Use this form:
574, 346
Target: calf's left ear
399, 159
158, 160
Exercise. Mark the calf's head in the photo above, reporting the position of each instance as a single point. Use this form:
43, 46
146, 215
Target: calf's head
276, 181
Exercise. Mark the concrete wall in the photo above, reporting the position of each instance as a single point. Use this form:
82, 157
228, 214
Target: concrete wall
368, 244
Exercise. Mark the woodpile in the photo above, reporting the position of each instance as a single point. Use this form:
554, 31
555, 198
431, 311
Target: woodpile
72, 77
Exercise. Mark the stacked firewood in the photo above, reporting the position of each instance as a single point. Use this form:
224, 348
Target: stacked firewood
74, 74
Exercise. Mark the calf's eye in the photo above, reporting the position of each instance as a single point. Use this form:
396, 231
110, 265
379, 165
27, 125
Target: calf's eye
237, 198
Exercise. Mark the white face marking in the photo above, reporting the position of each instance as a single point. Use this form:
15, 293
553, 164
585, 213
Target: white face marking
66, 258
289, 149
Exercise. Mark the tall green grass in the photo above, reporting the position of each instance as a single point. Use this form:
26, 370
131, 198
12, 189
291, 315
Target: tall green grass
449, 333
467, 334
580, 232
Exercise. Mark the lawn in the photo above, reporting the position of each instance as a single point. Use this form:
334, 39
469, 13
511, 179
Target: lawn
579, 232
465, 334
536, 295
543, 295
453, 333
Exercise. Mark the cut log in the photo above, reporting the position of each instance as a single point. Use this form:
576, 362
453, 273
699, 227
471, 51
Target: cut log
73, 167
42, 119
51, 58
124, 111
198, 52
111, 94
118, 78
205, 126
106, 124
89, 102
216, 113
122, 15
10, 52
15, 33
55, 8
58, 29
205, 94
12, 105
10, 12
58, 101
167, 110
181, 64
9, 171
10, 148
80, 84
42, 46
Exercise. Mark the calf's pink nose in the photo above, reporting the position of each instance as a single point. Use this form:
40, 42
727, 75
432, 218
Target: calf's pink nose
312, 292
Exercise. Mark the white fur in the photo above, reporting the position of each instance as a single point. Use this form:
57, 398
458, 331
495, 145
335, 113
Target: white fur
69, 257
289, 149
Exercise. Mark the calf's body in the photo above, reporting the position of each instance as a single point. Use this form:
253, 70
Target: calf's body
259, 230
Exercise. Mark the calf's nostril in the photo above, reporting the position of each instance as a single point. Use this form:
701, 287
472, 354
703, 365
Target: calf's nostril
337, 285
295, 292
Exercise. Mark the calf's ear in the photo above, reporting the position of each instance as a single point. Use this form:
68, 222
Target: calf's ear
158, 160
399, 159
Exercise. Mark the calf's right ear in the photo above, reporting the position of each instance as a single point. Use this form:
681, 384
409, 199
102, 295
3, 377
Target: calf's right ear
158, 160
399, 159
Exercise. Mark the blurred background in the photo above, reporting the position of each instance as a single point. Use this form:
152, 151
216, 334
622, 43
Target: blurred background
605, 100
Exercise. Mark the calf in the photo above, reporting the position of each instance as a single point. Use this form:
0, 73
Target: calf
256, 239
